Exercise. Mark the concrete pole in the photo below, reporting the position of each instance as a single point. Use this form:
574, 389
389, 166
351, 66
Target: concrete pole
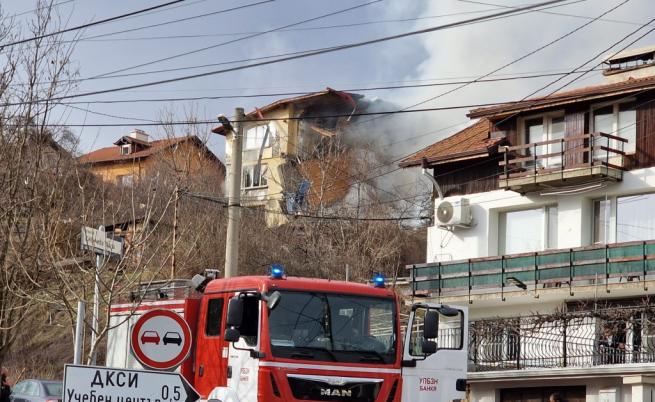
95, 324
234, 198
79, 332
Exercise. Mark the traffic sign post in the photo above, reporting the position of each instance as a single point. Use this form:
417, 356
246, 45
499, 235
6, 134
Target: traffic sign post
161, 339
102, 384
96, 240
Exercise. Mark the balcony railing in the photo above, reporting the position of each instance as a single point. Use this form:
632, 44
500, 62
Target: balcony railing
582, 339
567, 161
551, 268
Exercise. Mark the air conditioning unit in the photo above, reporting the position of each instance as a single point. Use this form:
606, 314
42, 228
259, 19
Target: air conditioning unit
454, 213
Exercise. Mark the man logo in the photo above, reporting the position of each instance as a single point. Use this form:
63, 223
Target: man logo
336, 392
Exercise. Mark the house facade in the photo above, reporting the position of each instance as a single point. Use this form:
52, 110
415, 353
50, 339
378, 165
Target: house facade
292, 156
135, 155
544, 225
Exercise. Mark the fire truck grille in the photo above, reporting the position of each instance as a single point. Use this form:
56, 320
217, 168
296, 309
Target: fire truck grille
315, 390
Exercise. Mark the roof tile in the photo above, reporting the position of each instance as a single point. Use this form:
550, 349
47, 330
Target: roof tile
472, 140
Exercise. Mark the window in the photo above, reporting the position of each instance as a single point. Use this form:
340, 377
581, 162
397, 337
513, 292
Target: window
125, 149
619, 119
256, 136
624, 219
214, 317
53, 388
32, 389
253, 177
528, 230
545, 128
602, 210
333, 327
449, 332
125, 180
634, 218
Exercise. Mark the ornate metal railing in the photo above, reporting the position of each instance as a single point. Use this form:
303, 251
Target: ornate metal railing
583, 339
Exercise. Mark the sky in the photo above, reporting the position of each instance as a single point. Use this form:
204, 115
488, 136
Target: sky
464, 52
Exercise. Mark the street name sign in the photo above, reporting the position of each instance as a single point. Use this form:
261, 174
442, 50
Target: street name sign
161, 339
104, 384
97, 241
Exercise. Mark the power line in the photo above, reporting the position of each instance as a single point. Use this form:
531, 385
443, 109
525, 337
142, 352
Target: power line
250, 120
90, 24
43, 8
280, 94
174, 21
202, 49
309, 54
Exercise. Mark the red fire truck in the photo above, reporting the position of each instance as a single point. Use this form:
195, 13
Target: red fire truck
277, 338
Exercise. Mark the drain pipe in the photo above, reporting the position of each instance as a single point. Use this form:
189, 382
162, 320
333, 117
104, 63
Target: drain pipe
427, 174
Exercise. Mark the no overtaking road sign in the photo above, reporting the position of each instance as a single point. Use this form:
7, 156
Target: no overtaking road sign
102, 384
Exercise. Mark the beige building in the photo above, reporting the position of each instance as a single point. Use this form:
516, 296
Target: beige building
292, 156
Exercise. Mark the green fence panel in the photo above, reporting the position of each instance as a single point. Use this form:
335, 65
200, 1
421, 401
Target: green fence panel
554, 258
589, 270
454, 268
632, 267
427, 285
432, 270
486, 280
519, 262
554, 273
626, 251
486, 265
455, 283
588, 255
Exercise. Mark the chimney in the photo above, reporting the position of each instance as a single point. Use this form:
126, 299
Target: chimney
630, 64
139, 135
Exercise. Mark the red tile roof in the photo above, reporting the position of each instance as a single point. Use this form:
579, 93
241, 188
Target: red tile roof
113, 154
631, 85
298, 99
471, 142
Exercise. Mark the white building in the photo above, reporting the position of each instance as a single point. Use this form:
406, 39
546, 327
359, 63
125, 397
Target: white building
546, 229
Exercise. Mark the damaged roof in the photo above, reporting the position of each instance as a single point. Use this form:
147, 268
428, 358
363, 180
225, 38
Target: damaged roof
347, 96
113, 154
472, 142
632, 85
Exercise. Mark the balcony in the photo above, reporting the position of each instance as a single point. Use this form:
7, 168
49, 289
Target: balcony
600, 337
598, 264
564, 162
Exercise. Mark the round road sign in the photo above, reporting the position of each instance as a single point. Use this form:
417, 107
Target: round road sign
161, 339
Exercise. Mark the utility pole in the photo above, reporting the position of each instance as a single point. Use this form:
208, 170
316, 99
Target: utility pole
234, 195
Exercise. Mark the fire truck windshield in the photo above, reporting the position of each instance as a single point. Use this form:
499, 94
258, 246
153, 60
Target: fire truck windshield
333, 327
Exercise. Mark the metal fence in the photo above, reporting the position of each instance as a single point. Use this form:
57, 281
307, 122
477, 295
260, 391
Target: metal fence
581, 340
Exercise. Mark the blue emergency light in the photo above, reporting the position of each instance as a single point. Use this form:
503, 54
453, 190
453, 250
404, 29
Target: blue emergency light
378, 281
277, 271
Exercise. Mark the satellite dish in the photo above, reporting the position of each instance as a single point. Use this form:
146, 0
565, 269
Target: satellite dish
445, 212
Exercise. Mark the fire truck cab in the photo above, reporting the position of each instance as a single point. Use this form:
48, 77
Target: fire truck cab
276, 338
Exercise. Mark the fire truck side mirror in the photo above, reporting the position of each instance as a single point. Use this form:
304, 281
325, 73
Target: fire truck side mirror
231, 335
428, 347
430, 325
272, 299
235, 312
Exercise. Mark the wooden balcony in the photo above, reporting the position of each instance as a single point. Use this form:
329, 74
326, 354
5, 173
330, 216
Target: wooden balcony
566, 162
